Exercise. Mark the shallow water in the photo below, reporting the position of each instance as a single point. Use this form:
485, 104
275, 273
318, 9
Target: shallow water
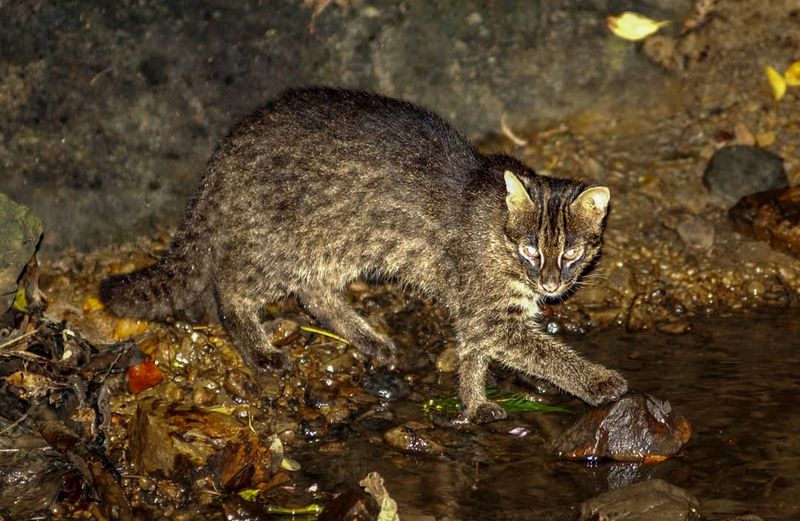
736, 379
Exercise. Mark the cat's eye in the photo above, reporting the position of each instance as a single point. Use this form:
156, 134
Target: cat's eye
530, 251
570, 254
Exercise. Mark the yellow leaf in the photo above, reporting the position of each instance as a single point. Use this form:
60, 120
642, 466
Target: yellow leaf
127, 327
92, 304
290, 464
20, 301
634, 27
766, 139
776, 81
792, 74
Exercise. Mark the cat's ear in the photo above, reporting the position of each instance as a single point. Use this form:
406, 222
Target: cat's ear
592, 204
517, 198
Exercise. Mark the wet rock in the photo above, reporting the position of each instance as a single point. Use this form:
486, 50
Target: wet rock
166, 438
314, 428
377, 420
642, 314
622, 280
772, 216
413, 441
20, 230
674, 326
696, 233
386, 386
638, 427
239, 385
351, 505
340, 363
447, 361
338, 412
319, 395
30, 479
739, 170
284, 331
653, 500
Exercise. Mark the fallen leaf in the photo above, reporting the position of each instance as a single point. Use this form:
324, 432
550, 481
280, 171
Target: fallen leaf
144, 376
127, 327
20, 301
776, 81
249, 494
766, 139
654, 458
290, 464
36, 384
92, 304
633, 27
792, 74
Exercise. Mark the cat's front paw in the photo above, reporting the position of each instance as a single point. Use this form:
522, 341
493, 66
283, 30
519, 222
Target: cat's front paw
487, 412
608, 386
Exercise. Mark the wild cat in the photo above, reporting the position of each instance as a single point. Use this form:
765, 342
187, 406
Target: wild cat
321, 186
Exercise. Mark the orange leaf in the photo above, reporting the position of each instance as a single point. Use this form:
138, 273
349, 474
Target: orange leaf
144, 376
654, 458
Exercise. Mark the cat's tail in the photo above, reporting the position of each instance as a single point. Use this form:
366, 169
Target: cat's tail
171, 288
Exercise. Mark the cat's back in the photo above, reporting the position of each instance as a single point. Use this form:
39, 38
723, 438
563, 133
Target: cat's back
355, 135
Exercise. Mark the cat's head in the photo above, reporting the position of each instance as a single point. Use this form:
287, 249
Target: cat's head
556, 226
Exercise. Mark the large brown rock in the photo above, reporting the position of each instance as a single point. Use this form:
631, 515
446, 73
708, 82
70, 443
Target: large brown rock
772, 216
638, 427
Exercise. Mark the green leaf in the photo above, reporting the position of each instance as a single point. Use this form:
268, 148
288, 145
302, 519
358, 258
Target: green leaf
20, 301
249, 494
510, 401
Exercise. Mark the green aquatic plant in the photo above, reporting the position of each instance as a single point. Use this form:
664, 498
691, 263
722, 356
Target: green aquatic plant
508, 400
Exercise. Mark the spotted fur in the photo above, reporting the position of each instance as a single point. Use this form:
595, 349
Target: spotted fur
322, 186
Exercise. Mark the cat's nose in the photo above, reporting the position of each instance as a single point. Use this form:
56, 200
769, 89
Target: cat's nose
550, 286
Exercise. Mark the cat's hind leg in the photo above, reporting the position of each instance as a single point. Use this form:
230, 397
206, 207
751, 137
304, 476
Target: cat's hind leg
238, 308
331, 308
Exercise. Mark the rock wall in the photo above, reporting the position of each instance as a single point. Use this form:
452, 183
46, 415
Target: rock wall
108, 110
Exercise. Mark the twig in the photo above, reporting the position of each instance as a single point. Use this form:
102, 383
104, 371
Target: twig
17, 339
312, 329
20, 420
506, 130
